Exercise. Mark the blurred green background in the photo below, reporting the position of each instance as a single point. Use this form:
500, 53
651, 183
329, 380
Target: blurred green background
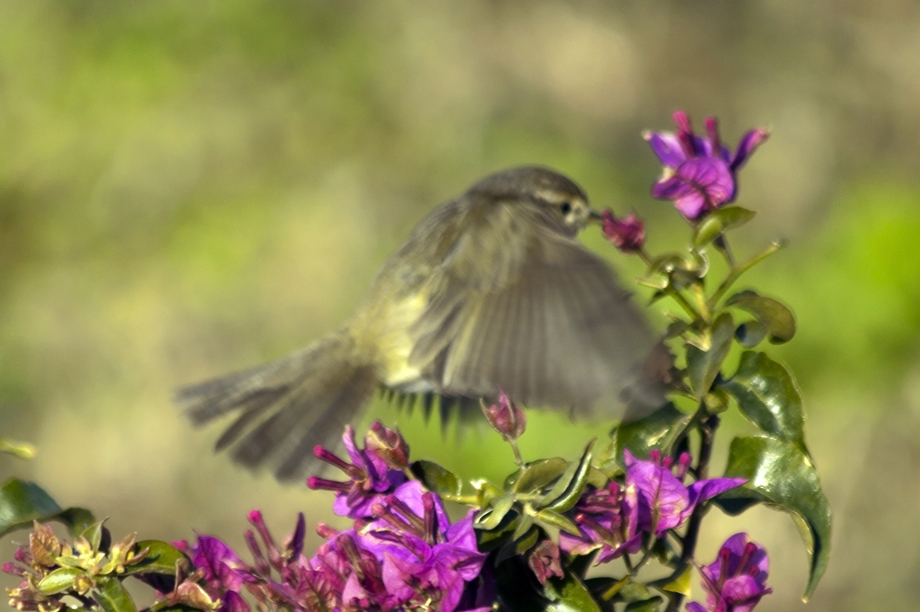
188, 188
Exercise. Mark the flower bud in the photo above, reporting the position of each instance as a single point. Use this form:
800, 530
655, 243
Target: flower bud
626, 234
544, 561
389, 445
505, 418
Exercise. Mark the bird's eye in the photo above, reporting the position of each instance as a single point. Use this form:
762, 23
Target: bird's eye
565, 207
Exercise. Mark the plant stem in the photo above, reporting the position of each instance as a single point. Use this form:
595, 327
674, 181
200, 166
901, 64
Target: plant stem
722, 244
517, 453
707, 436
737, 272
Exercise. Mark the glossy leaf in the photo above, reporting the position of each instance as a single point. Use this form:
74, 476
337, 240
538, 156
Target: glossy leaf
518, 546
523, 527
568, 488
750, 334
782, 476
679, 583
772, 314
23, 450
649, 605
576, 487
569, 594
493, 515
704, 365
94, 533
767, 395
539, 474
59, 580
112, 597
22, 502
547, 517
657, 430
718, 221
77, 520
437, 479
161, 559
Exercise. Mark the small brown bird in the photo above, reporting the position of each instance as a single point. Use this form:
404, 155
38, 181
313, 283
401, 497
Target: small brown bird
492, 289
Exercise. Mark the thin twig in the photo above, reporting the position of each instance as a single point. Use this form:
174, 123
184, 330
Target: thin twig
707, 433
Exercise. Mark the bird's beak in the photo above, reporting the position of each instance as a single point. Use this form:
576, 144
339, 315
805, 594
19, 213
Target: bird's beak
595, 217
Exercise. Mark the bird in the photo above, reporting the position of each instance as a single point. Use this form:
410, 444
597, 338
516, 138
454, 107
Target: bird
492, 291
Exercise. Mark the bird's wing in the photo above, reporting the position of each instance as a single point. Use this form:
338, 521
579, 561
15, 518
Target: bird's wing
522, 305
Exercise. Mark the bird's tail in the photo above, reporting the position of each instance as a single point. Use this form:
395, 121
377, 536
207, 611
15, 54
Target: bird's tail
286, 407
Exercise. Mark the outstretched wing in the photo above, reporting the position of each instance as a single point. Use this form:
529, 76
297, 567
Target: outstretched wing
524, 306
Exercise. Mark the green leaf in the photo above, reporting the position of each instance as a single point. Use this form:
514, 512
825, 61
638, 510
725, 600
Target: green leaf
540, 473
576, 487
547, 517
750, 334
161, 559
782, 476
22, 502
523, 527
679, 583
718, 221
437, 479
518, 546
77, 520
568, 488
93, 534
23, 450
703, 365
493, 515
649, 605
657, 430
59, 580
772, 314
767, 395
569, 594
112, 597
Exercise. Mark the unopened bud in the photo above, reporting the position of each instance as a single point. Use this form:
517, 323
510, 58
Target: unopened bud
544, 561
505, 418
626, 234
389, 445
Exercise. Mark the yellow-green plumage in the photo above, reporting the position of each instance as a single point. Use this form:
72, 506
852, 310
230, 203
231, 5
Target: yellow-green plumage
492, 289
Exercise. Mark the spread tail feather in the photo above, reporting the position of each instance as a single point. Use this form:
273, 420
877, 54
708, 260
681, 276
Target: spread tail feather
287, 407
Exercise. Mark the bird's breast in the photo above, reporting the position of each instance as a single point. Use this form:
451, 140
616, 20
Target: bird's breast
382, 328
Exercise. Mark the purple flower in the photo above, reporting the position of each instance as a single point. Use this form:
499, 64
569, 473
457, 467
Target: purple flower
343, 574
370, 478
389, 445
736, 581
221, 568
700, 174
425, 558
605, 521
626, 234
660, 498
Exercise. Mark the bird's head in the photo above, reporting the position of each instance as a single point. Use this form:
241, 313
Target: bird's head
557, 196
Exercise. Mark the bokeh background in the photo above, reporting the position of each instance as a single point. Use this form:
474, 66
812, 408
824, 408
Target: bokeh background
188, 188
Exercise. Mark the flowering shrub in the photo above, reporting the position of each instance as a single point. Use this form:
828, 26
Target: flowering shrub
528, 543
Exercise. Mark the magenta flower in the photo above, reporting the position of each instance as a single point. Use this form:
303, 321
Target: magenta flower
606, 522
737, 580
700, 174
627, 234
659, 497
223, 572
370, 478
425, 558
